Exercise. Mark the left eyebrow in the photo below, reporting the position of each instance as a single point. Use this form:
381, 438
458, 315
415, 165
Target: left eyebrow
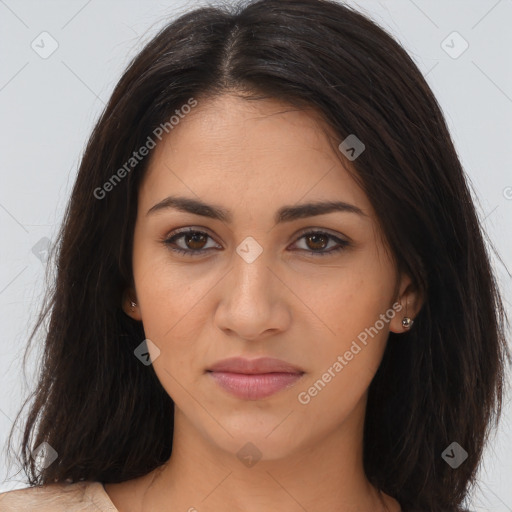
284, 214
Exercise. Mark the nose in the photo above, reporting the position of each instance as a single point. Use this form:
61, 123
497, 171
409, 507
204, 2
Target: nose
253, 300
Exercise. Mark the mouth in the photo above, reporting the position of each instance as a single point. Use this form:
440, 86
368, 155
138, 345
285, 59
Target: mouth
254, 379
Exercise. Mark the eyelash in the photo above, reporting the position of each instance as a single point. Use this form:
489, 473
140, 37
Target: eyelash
342, 244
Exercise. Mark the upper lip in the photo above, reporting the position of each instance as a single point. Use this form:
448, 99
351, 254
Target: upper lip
254, 366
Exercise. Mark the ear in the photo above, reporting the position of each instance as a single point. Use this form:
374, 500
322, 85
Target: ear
130, 304
407, 304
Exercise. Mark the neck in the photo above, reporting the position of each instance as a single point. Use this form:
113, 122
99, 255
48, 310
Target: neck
325, 475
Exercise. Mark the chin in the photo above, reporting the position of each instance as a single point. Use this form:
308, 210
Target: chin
259, 443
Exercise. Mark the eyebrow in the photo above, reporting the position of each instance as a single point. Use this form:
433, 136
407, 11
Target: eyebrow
284, 214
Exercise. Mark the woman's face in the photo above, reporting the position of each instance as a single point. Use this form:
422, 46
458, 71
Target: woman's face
261, 287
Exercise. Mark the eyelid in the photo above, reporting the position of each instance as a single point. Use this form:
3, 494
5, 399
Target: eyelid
318, 229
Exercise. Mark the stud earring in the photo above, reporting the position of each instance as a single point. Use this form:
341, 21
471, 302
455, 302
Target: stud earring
407, 321
132, 304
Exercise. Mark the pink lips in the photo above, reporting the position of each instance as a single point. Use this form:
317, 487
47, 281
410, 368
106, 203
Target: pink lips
254, 379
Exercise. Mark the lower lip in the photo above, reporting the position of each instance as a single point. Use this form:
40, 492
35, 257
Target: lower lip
257, 386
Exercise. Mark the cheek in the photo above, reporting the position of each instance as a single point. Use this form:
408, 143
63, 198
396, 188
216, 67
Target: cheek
350, 299
346, 356
168, 299
169, 292
343, 365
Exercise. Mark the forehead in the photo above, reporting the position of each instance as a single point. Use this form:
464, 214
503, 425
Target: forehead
250, 152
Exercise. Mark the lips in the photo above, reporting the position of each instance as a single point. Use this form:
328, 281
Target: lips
254, 379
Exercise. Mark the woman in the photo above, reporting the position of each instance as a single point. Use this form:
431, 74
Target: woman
273, 291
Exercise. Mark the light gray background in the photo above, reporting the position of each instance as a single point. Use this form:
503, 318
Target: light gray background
48, 107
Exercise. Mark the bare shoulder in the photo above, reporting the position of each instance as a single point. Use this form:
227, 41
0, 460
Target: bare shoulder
57, 497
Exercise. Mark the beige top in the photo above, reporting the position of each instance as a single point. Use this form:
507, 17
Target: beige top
83, 496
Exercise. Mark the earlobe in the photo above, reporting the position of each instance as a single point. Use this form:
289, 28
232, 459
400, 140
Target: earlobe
130, 306
404, 319
409, 306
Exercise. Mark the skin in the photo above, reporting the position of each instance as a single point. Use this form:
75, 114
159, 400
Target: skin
253, 157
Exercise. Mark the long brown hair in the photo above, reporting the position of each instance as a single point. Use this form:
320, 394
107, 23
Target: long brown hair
106, 414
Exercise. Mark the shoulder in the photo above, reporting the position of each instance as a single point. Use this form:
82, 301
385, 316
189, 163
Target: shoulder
83, 496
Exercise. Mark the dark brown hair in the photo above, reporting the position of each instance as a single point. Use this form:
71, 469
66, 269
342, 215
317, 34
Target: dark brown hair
107, 415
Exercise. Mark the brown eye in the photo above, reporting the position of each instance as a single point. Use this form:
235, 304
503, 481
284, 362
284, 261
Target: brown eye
196, 240
317, 241
192, 242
